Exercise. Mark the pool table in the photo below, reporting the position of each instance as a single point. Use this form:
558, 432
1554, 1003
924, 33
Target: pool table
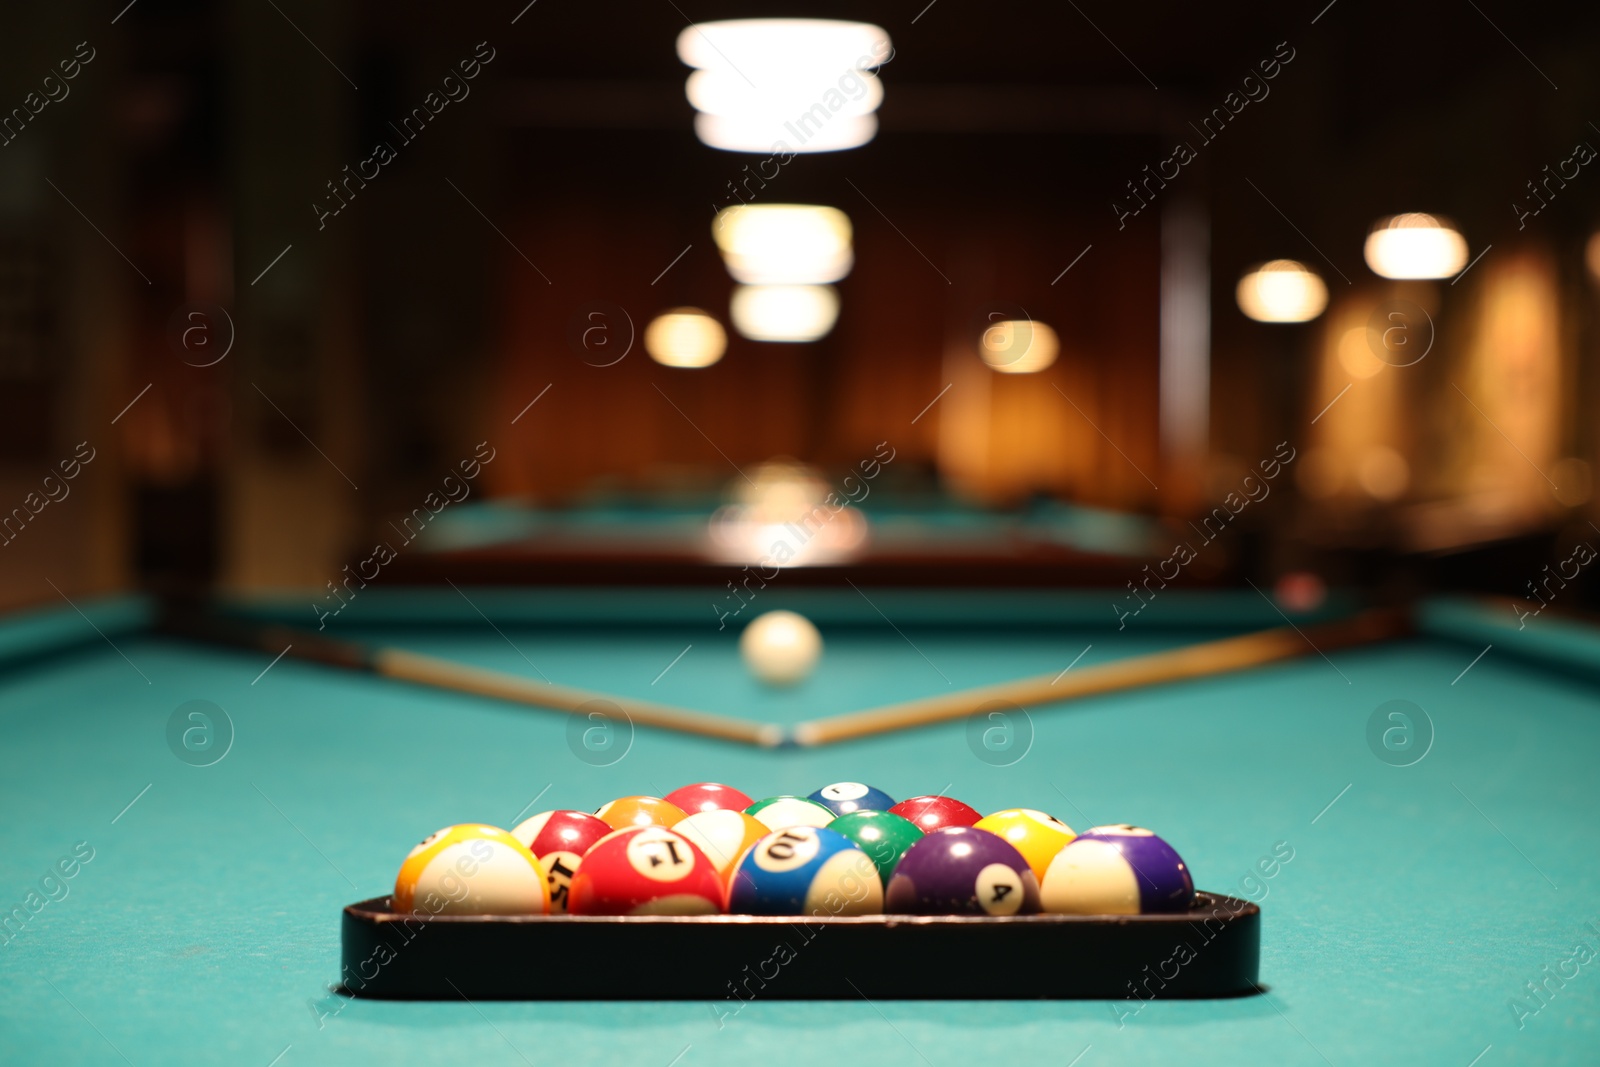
1415, 874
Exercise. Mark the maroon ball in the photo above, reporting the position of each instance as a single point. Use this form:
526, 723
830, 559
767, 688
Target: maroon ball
935, 813
961, 870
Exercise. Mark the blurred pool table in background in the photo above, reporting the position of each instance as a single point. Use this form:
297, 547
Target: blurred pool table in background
1417, 904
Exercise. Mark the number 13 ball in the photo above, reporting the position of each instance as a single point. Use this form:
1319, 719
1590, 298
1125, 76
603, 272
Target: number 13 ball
1117, 870
962, 870
645, 871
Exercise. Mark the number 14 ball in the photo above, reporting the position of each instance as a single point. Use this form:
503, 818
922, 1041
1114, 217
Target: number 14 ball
780, 647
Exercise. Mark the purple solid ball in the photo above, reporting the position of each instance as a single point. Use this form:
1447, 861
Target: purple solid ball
1165, 884
961, 870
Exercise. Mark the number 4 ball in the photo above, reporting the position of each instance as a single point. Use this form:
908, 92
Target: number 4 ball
962, 870
645, 871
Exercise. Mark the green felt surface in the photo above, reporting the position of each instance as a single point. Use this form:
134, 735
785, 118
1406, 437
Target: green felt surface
205, 929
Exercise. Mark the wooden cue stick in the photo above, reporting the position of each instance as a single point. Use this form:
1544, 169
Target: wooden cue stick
456, 677
1193, 661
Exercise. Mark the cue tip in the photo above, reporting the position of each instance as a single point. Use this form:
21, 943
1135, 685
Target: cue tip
772, 736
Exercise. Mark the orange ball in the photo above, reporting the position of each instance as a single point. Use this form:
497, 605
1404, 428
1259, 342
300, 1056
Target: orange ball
625, 812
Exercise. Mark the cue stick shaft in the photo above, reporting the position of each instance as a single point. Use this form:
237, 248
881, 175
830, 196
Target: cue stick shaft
1173, 665
421, 669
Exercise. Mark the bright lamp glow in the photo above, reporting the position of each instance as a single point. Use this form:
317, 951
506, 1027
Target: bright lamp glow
1592, 254
784, 244
725, 94
784, 312
1018, 346
685, 337
755, 134
759, 46
791, 85
1282, 291
1415, 245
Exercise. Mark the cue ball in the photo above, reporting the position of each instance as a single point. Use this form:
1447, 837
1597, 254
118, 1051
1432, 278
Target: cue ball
780, 647
471, 869
805, 870
1117, 870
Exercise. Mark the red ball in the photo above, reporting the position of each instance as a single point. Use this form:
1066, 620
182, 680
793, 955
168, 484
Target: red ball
708, 796
645, 871
558, 839
935, 813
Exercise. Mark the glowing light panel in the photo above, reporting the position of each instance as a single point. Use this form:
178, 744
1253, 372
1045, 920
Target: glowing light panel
1019, 346
1415, 245
685, 337
784, 312
1282, 291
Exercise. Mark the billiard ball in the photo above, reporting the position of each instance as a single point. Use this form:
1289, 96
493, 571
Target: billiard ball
646, 870
935, 813
962, 870
471, 869
805, 870
624, 812
708, 796
1035, 834
558, 840
780, 813
882, 835
722, 835
1117, 870
842, 798
780, 647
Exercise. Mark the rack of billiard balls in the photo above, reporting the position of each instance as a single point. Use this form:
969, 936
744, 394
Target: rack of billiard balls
847, 849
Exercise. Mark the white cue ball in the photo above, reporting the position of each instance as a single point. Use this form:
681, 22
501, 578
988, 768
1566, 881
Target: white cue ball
780, 647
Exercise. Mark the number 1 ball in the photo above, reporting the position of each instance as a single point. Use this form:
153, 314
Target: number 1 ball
1117, 870
962, 871
935, 813
558, 840
842, 798
647, 870
805, 870
471, 869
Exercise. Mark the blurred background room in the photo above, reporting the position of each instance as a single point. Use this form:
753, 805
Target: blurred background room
268, 277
